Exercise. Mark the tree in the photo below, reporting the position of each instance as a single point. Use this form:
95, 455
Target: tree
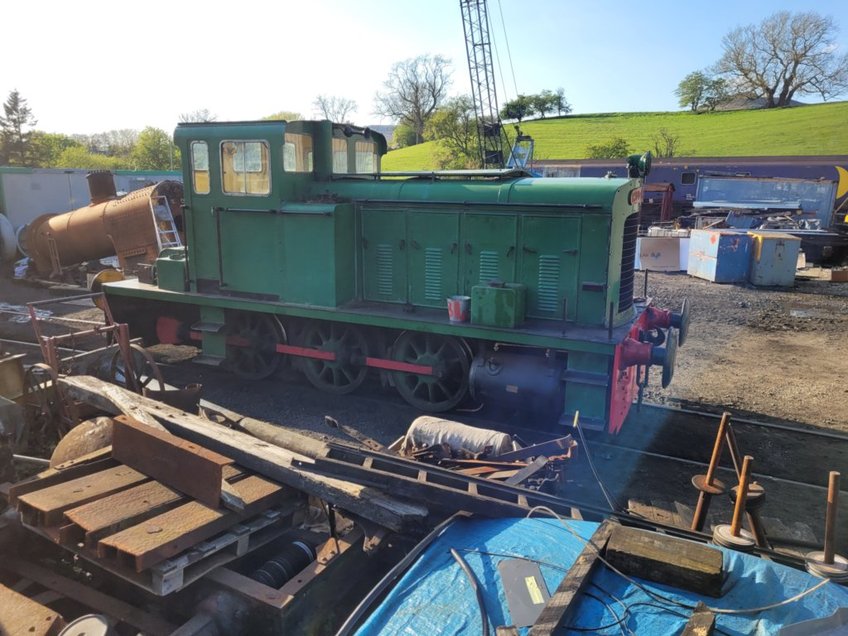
690, 90
336, 109
46, 148
80, 157
454, 126
403, 136
544, 102
154, 151
666, 144
285, 115
612, 149
14, 136
199, 115
716, 93
413, 91
518, 108
560, 102
698, 90
786, 54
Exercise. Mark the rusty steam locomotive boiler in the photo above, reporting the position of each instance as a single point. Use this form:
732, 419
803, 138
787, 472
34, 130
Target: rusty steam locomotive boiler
134, 227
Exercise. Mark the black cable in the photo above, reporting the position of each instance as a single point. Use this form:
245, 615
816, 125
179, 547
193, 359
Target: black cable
484, 617
619, 622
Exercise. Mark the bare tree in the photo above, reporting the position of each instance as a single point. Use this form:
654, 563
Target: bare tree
666, 144
336, 109
414, 89
198, 116
785, 55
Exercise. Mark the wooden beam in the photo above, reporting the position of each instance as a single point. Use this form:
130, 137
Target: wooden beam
561, 605
170, 460
21, 615
261, 457
52, 476
46, 506
97, 601
171, 532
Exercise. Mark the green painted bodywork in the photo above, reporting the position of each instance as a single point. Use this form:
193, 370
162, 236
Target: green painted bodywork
387, 250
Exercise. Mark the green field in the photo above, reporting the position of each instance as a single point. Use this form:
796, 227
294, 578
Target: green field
820, 129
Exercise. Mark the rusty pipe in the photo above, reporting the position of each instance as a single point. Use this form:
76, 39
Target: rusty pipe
706, 483
830, 516
741, 496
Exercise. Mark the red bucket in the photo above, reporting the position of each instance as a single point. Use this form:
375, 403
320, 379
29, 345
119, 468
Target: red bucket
459, 308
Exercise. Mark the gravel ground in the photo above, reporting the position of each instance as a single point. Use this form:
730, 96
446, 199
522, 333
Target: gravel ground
775, 353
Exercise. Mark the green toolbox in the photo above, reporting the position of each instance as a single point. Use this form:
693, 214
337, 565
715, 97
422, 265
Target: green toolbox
498, 305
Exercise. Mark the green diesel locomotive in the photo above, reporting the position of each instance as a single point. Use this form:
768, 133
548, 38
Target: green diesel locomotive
297, 246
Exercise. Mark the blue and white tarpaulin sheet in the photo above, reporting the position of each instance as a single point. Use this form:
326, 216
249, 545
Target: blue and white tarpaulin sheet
435, 597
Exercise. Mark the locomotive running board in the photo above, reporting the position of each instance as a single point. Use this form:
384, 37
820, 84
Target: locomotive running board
439, 487
318, 354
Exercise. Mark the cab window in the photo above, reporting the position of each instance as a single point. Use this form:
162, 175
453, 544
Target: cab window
245, 168
366, 157
340, 156
200, 167
297, 152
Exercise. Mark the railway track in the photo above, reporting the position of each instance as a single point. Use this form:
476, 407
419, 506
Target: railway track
781, 451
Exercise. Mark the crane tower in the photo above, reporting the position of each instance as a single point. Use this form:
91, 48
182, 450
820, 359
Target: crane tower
478, 46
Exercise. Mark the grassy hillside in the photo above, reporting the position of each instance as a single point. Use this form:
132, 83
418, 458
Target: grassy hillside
820, 129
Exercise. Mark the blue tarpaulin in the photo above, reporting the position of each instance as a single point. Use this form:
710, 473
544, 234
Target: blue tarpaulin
435, 597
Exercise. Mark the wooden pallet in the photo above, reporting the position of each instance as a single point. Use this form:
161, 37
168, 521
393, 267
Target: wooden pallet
147, 533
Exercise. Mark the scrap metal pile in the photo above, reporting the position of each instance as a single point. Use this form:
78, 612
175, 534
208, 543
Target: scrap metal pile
228, 515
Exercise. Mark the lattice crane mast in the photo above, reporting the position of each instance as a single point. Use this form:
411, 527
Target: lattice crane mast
481, 68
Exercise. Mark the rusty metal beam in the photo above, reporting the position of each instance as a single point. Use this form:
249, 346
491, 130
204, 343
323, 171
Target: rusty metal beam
176, 463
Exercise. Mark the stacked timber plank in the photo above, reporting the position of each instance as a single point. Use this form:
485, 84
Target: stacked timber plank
157, 535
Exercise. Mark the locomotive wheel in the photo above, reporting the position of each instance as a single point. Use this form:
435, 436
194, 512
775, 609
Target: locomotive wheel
450, 361
347, 372
255, 357
42, 423
145, 370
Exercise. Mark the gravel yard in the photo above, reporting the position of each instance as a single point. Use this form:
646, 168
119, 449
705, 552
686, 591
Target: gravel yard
781, 354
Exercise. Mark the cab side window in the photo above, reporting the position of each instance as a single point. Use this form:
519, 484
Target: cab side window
366, 157
297, 152
339, 156
245, 168
200, 167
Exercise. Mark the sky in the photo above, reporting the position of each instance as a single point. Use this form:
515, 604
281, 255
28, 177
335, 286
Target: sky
92, 66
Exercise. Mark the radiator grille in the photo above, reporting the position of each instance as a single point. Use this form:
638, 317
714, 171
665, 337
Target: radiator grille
548, 283
433, 274
384, 269
489, 269
628, 262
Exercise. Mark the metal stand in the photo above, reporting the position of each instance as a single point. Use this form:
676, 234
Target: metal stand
826, 563
734, 536
707, 484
